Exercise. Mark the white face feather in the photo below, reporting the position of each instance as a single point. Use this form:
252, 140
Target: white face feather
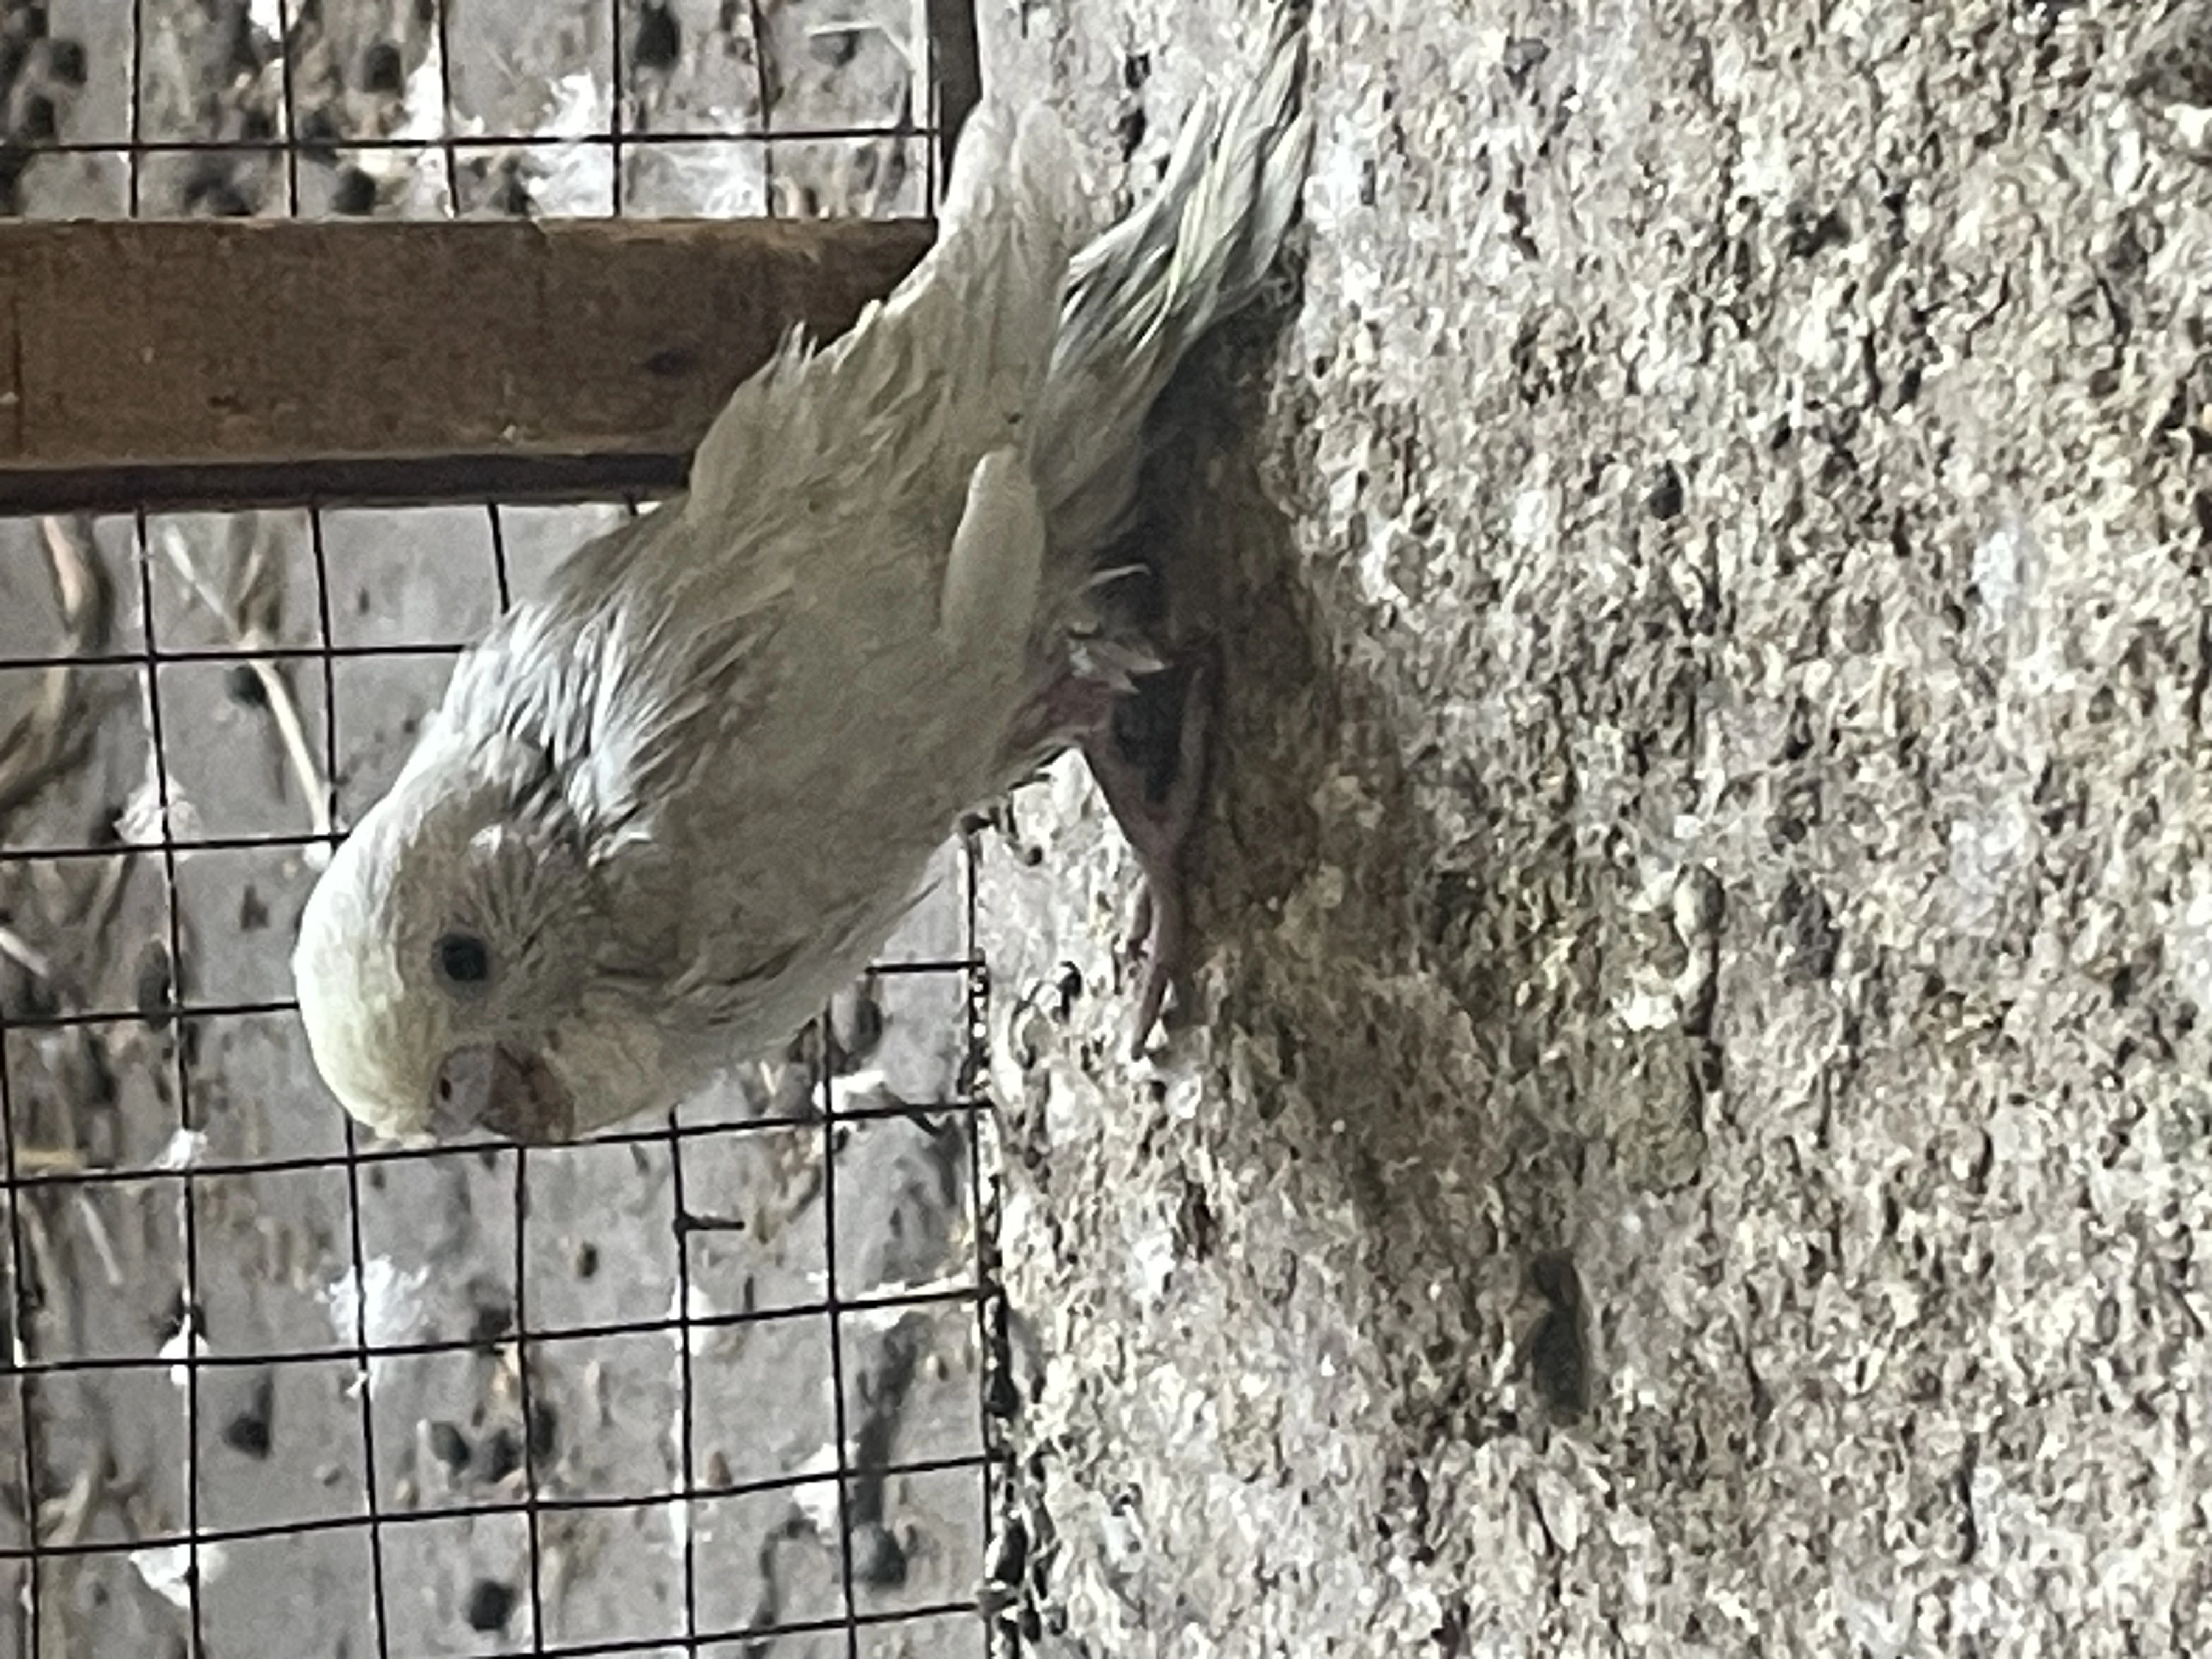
448, 921
376, 1041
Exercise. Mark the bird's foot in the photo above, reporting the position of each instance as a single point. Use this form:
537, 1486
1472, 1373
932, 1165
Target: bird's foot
1150, 761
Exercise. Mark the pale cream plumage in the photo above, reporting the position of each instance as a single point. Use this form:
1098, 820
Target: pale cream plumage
668, 808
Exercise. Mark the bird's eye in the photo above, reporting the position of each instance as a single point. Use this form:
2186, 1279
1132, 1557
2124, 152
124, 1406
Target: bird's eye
463, 959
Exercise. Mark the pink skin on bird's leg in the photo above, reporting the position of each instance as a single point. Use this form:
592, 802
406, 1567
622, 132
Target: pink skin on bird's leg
1082, 708
1159, 831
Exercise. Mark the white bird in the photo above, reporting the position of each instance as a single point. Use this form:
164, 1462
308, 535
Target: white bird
670, 806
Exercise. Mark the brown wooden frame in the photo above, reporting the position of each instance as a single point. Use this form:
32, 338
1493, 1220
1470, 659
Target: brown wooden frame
229, 363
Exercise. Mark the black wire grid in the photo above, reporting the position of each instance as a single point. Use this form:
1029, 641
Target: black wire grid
45, 1546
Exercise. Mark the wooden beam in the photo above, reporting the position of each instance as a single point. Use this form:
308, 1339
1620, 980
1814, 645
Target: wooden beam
239, 362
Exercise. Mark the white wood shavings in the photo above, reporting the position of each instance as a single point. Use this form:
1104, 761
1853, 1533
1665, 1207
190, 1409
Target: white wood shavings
380, 1306
168, 1571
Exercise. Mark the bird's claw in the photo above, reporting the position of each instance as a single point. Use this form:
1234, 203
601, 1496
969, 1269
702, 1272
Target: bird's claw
1157, 822
1155, 949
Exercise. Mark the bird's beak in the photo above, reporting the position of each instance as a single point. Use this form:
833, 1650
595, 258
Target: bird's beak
504, 1088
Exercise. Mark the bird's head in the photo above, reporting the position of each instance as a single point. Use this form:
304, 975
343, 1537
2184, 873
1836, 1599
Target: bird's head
440, 956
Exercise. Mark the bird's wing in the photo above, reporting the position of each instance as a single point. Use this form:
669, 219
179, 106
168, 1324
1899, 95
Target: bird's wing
802, 581
887, 422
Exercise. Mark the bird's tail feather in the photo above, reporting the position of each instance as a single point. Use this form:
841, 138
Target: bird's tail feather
1143, 293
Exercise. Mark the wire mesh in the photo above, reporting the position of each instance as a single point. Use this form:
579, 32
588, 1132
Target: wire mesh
718, 1383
